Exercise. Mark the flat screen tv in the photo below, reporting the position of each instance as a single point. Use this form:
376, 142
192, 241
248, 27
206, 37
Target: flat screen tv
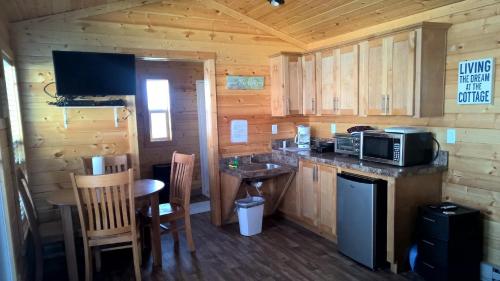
94, 74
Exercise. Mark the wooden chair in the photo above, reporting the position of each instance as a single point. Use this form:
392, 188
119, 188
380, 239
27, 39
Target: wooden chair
181, 176
42, 233
112, 164
106, 208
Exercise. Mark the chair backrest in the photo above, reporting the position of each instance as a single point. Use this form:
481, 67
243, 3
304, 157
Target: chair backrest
112, 164
181, 177
29, 207
114, 212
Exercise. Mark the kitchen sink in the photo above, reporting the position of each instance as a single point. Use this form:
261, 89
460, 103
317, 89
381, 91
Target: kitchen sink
259, 166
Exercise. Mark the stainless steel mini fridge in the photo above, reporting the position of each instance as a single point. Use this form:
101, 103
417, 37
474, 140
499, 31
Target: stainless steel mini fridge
362, 219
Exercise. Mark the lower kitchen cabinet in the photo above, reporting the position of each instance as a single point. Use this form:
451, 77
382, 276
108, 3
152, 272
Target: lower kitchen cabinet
317, 195
308, 193
327, 201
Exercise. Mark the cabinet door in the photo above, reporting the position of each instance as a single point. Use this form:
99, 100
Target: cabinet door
308, 196
327, 90
295, 85
373, 77
309, 84
278, 86
346, 100
402, 67
327, 199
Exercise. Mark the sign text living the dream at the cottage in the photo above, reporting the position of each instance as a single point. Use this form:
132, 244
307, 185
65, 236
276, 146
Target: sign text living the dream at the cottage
475, 81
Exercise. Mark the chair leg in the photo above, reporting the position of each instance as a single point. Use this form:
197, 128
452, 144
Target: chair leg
97, 257
88, 262
38, 260
189, 233
175, 231
137, 262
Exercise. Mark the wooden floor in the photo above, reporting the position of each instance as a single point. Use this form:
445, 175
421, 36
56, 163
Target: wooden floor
284, 251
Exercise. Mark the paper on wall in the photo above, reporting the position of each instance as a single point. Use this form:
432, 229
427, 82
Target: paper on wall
239, 131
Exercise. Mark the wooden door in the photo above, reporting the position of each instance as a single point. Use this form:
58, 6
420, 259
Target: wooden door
346, 100
309, 84
295, 84
402, 67
308, 195
373, 77
327, 82
278, 86
327, 199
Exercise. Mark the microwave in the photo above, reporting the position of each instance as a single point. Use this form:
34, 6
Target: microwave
399, 149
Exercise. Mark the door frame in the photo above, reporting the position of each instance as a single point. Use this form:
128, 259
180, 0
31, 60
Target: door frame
208, 60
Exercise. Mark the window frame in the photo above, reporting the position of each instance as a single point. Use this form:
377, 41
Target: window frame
148, 140
23, 227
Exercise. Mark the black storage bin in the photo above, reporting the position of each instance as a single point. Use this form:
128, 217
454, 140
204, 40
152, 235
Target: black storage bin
161, 172
449, 242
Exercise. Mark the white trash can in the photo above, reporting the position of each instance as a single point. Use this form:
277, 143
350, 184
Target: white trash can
250, 214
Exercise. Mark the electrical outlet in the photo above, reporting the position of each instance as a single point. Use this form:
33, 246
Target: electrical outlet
274, 129
451, 136
333, 128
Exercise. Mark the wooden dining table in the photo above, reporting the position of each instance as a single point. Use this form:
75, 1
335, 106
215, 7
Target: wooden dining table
65, 200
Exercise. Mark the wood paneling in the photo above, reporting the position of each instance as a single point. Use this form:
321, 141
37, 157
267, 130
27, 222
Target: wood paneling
182, 78
54, 151
473, 177
20, 10
310, 21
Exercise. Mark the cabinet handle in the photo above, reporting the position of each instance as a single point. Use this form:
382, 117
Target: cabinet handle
428, 219
428, 265
315, 173
333, 102
428, 243
382, 104
386, 104
313, 105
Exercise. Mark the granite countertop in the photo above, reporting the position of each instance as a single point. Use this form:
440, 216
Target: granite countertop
350, 162
247, 169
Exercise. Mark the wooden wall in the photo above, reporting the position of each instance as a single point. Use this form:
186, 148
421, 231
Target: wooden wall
182, 78
473, 178
53, 151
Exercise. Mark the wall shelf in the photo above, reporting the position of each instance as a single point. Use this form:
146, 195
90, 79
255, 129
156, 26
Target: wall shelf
115, 112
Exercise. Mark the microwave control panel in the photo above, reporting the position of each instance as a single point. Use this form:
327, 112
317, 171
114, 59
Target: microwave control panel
396, 150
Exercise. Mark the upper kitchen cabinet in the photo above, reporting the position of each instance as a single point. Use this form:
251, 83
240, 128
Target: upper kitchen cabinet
337, 83
309, 70
286, 84
403, 74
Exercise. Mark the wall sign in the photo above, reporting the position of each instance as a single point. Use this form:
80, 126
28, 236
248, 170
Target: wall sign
475, 81
244, 82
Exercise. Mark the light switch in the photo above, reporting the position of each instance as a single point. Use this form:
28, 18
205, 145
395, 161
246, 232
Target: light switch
451, 135
274, 129
333, 128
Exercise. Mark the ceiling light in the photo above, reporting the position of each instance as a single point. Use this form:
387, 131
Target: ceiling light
276, 3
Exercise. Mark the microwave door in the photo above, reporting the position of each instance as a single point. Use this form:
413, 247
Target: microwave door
378, 148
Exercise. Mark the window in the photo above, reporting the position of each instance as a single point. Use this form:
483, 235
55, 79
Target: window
14, 109
16, 128
158, 96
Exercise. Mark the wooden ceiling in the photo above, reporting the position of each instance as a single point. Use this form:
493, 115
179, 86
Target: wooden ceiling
313, 20
299, 22
17, 10
179, 14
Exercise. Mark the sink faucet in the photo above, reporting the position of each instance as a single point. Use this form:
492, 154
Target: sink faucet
251, 158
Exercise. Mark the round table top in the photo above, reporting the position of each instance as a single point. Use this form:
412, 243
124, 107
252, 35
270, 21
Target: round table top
142, 188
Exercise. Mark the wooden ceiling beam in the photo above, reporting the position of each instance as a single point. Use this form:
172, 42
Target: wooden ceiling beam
252, 22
